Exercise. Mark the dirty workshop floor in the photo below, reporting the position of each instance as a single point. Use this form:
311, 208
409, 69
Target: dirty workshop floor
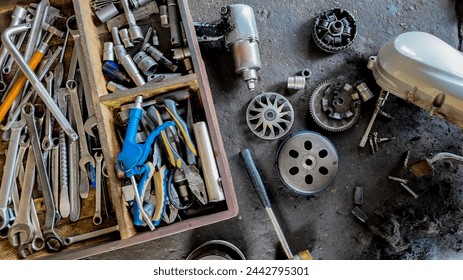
400, 226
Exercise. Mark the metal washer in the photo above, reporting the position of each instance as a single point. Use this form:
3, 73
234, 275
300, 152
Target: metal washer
307, 162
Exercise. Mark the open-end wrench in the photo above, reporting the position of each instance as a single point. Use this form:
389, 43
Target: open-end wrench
97, 233
47, 135
9, 170
85, 157
22, 230
52, 240
97, 218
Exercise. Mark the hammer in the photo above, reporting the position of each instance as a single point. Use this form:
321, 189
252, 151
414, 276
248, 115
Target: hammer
258, 185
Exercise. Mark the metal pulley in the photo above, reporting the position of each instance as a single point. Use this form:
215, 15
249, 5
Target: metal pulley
307, 162
269, 115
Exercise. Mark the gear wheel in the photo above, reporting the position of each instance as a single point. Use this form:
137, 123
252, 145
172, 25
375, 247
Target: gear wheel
334, 106
269, 115
334, 30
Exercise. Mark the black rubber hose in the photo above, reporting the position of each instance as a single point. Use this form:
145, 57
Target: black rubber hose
256, 180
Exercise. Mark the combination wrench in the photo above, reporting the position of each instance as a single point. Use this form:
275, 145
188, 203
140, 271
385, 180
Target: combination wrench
9, 170
22, 230
73, 239
85, 157
97, 219
47, 135
52, 240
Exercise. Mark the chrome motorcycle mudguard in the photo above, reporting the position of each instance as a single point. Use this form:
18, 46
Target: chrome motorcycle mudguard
424, 70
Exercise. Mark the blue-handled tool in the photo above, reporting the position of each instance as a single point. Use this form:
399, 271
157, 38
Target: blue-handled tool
132, 160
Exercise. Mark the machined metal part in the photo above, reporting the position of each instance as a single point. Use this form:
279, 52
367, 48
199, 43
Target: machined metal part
38, 242
139, 3
164, 15
108, 51
426, 166
379, 103
135, 32
73, 239
296, 83
145, 63
159, 56
52, 239
155, 41
211, 174
115, 87
9, 63
334, 30
9, 171
54, 171
243, 41
409, 190
112, 71
358, 195
364, 92
125, 59
184, 54
64, 205
174, 22
216, 250
97, 218
47, 137
332, 106
306, 73
270, 115
307, 162
41, 90
107, 12
124, 33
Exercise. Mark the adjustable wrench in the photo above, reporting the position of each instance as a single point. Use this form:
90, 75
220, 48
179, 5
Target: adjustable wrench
22, 230
97, 219
9, 170
52, 240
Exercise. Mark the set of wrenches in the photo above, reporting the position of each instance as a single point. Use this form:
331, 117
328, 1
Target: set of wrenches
53, 152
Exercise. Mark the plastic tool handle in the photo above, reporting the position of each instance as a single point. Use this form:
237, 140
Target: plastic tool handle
17, 87
254, 175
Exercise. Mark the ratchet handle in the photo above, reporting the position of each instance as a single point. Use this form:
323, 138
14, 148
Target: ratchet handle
18, 86
254, 175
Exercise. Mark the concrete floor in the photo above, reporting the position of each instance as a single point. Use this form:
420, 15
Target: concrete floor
426, 228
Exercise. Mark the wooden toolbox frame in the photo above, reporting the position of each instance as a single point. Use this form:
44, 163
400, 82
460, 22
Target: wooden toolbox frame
105, 103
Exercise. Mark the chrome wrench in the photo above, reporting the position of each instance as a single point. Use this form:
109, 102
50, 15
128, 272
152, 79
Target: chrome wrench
55, 171
72, 239
85, 157
38, 243
97, 218
64, 205
47, 136
22, 230
9, 170
52, 240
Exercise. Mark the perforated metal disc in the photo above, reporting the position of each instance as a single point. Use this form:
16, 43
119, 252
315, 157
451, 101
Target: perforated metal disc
307, 162
270, 115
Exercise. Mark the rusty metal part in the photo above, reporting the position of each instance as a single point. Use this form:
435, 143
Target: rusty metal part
425, 166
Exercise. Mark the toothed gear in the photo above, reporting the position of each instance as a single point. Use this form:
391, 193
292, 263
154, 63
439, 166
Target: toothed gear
270, 115
334, 30
333, 107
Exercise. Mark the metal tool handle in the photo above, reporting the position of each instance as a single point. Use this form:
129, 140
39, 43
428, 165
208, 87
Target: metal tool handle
254, 175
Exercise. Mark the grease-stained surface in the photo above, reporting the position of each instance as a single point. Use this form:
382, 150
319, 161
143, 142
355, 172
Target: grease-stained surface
400, 226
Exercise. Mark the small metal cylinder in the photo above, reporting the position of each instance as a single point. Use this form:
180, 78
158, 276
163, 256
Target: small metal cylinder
124, 33
296, 83
107, 12
155, 38
145, 63
115, 87
174, 20
164, 16
306, 73
365, 92
138, 3
108, 51
208, 163
159, 56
